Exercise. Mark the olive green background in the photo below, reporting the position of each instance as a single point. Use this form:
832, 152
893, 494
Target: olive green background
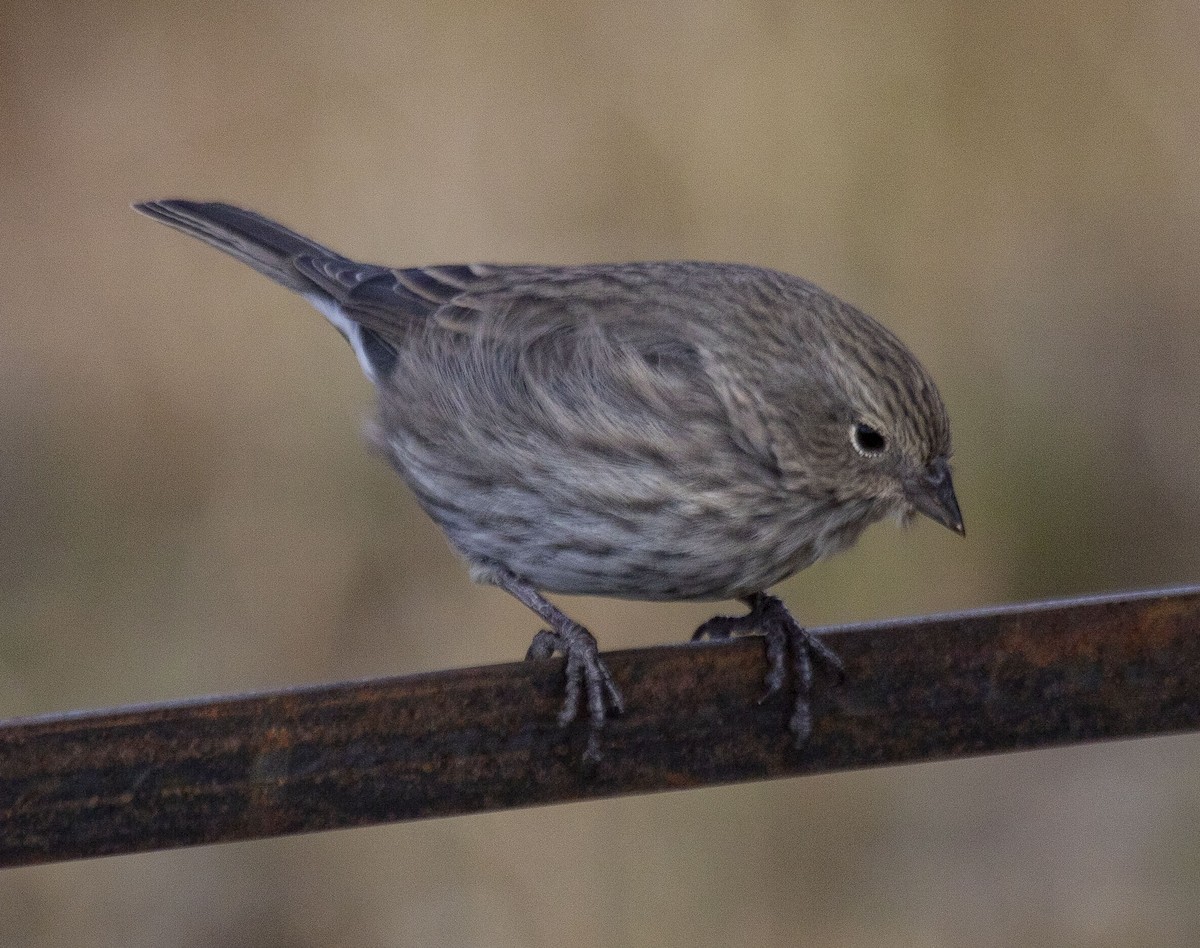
186, 505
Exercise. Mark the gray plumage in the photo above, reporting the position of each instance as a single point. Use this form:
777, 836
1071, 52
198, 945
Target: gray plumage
657, 431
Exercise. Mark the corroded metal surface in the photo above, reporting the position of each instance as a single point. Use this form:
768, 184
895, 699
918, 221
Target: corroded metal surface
205, 771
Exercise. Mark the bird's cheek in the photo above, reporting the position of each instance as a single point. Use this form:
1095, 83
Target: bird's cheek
905, 514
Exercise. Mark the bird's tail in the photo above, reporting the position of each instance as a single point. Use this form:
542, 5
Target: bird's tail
287, 258
251, 238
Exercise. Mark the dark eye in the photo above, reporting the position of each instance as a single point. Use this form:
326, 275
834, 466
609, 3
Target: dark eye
867, 440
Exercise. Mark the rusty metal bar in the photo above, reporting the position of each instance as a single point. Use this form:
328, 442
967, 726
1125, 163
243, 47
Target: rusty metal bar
213, 770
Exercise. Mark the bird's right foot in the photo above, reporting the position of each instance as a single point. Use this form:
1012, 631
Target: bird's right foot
790, 648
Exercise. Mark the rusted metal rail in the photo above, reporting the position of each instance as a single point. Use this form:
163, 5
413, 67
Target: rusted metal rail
212, 770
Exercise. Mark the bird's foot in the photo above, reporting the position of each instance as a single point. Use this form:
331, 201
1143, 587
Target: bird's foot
789, 646
588, 678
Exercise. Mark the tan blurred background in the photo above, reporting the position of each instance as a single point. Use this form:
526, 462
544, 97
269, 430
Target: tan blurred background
186, 506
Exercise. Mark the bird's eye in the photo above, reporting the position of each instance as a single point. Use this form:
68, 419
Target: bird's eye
867, 440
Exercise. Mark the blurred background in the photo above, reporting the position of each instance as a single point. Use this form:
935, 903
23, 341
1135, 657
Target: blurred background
187, 507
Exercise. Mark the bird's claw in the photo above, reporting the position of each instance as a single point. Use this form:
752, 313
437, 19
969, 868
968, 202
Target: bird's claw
790, 648
542, 646
588, 679
724, 627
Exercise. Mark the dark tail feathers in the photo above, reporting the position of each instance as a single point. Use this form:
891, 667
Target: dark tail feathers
255, 240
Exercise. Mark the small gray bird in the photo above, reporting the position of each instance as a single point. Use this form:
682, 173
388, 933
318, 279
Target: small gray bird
662, 431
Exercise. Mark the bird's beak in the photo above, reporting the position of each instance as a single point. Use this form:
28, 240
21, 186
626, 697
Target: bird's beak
932, 493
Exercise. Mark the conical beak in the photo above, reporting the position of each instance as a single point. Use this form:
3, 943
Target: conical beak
933, 494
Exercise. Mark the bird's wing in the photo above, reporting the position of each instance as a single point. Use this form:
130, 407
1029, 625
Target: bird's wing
630, 346
645, 318
637, 307
385, 298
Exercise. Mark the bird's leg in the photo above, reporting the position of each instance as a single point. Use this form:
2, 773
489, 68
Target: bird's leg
588, 676
786, 639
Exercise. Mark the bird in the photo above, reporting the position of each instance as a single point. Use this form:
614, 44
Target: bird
664, 431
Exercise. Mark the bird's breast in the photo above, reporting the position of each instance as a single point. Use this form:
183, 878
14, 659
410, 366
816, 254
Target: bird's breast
660, 542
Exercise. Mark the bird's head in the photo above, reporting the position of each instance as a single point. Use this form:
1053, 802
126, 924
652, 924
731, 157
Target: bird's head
881, 434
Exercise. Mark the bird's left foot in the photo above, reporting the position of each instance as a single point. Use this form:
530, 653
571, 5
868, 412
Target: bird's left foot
789, 644
589, 682
588, 679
